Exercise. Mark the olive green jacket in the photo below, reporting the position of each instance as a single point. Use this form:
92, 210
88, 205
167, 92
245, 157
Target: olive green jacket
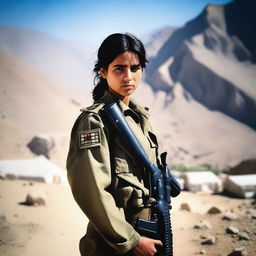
106, 181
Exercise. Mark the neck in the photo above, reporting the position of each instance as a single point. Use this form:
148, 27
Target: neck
124, 99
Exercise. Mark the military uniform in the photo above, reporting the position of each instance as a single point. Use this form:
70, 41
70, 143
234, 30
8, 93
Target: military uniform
106, 181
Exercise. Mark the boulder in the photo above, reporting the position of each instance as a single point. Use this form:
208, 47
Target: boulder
244, 167
202, 252
241, 185
232, 230
185, 207
238, 252
35, 198
41, 146
214, 210
203, 182
229, 216
244, 236
2, 176
208, 239
203, 225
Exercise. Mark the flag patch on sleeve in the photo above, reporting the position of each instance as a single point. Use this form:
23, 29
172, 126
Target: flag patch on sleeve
90, 138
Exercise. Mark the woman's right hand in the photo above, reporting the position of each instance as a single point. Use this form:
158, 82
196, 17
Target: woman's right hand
146, 247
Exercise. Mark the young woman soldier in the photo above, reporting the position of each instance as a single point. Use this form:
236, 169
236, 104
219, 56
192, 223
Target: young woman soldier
106, 181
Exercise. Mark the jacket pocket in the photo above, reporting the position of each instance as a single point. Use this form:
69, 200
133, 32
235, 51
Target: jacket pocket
123, 172
121, 166
127, 197
136, 198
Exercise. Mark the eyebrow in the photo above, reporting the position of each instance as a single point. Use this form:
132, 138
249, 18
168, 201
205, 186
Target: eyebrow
124, 66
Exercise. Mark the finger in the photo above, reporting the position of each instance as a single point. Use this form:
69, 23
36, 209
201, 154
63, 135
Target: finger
158, 242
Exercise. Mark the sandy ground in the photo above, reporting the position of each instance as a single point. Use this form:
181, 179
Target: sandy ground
55, 228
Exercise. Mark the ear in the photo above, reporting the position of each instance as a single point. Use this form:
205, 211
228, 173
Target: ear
103, 73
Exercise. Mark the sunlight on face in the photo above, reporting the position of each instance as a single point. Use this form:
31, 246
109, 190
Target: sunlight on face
123, 74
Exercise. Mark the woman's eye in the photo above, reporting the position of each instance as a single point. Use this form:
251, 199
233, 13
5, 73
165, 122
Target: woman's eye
119, 69
135, 68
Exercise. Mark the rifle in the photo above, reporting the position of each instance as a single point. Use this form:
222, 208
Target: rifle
162, 185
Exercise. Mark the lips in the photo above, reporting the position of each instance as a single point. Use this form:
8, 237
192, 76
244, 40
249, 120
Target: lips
128, 85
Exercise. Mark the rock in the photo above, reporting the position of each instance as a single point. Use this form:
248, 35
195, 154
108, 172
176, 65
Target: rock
2, 176
35, 198
11, 176
243, 236
214, 210
185, 207
230, 216
41, 146
241, 185
208, 239
232, 230
2, 219
245, 167
238, 252
252, 213
202, 252
203, 225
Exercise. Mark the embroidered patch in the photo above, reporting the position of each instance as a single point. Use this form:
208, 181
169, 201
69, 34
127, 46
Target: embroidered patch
90, 138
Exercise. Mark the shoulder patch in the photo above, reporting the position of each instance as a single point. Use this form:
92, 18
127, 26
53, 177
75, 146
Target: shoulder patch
89, 138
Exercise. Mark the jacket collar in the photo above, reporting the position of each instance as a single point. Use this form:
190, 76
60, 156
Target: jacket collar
134, 110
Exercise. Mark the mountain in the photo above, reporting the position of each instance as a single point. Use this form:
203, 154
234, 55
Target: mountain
200, 87
213, 58
64, 61
154, 41
191, 134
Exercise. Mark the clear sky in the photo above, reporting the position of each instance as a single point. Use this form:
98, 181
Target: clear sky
92, 20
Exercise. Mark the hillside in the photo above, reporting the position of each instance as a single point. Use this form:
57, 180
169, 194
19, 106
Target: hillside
191, 134
64, 61
33, 104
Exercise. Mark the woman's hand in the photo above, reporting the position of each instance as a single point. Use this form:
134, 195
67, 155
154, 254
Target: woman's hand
146, 247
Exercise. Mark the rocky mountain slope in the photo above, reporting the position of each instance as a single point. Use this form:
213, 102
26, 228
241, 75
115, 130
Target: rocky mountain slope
154, 40
213, 57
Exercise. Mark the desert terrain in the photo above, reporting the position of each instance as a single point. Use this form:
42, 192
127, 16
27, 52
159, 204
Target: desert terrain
56, 227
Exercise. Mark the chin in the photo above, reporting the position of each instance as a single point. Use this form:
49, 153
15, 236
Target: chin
128, 92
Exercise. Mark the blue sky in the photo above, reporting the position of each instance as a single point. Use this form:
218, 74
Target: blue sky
92, 20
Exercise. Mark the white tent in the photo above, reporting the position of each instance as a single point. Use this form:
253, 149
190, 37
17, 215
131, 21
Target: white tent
37, 169
203, 182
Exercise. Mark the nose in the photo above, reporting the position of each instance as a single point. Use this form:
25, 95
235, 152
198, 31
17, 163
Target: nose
128, 76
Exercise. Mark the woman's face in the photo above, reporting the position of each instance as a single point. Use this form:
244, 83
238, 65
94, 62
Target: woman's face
124, 74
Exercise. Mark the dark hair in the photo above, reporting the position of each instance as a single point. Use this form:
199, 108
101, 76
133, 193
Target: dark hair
110, 48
